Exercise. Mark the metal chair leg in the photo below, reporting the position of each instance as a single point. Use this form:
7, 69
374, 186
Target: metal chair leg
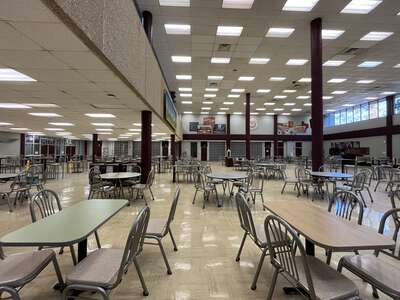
241, 247
260, 264
172, 239
151, 192
139, 272
97, 239
194, 198
283, 188
58, 272
328, 257
74, 260
169, 272
272, 286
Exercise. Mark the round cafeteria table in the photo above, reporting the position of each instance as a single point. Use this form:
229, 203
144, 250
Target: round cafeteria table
331, 175
227, 176
7, 176
118, 178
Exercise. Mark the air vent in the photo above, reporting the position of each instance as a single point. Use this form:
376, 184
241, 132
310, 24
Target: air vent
213, 84
351, 51
224, 47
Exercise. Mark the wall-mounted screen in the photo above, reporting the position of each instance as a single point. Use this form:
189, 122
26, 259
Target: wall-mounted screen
170, 114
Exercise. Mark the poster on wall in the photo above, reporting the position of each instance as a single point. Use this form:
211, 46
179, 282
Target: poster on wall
207, 125
290, 128
193, 126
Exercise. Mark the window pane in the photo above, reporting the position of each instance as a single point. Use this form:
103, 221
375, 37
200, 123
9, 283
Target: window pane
397, 105
357, 113
382, 108
337, 118
343, 117
373, 110
364, 111
331, 120
349, 115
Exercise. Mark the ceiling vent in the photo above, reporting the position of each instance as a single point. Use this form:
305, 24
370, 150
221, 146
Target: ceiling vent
213, 84
224, 47
351, 51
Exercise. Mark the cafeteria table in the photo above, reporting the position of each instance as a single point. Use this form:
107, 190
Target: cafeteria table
8, 176
118, 178
227, 177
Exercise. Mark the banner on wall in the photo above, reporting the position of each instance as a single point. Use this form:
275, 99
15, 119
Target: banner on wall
207, 125
290, 128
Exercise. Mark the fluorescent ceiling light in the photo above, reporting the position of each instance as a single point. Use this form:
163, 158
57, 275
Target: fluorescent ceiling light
237, 4
259, 61
261, 109
5, 124
14, 106
334, 63
224, 108
303, 97
206, 108
185, 95
307, 104
246, 78
7, 74
396, 66
237, 113
64, 133
251, 103
280, 97
296, 109
263, 91
215, 77
370, 64
360, 6
228, 103
134, 130
337, 80
233, 96
183, 3
327, 97
19, 128
137, 124
183, 77
186, 102
388, 93
183, 89
220, 60
366, 81
348, 105
296, 62
112, 139
221, 113
299, 5
50, 115
279, 32
181, 59
104, 129
286, 114
278, 109
208, 102
229, 30
181, 29
289, 91
330, 34
371, 98
330, 110
204, 113
254, 113
289, 104
305, 79
54, 129
376, 36
61, 124
108, 133
35, 133
42, 105
96, 115
237, 90
270, 114
187, 112
277, 78
338, 92
269, 103
211, 90
210, 95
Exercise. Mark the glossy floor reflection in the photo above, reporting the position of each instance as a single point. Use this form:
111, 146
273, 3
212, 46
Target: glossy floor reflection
204, 267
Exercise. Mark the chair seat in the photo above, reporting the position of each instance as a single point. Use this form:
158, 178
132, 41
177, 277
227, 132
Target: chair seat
19, 269
344, 187
99, 268
140, 186
262, 238
328, 283
375, 270
156, 227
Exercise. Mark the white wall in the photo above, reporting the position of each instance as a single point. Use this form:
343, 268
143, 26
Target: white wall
396, 120
396, 145
265, 124
186, 148
9, 144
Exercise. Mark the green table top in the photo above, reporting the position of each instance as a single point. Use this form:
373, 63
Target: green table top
69, 226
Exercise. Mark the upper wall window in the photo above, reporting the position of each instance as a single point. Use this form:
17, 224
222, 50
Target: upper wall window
364, 111
397, 104
357, 113
382, 108
373, 110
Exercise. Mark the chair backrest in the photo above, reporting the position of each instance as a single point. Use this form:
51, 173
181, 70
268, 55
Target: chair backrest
344, 203
134, 243
257, 180
245, 217
359, 181
172, 211
384, 172
136, 168
150, 178
44, 203
394, 213
94, 176
283, 242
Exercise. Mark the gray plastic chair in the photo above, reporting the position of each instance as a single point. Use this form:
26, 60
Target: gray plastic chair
358, 185
318, 280
294, 181
19, 269
103, 270
140, 188
254, 186
201, 185
384, 175
159, 228
381, 274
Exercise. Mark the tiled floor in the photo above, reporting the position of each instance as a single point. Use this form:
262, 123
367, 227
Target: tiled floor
204, 267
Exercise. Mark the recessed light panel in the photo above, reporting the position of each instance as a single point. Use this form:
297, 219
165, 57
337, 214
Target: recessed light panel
183, 89
7, 74
277, 78
258, 61
246, 78
370, 64
61, 124
95, 115
104, 129
280, 97
186, 102
376, 36
181, 29
263, 91
289, 104
233, 96
237, 4
303, 97
229, 30
296, 62
208, 102
220, 60
6, 124
204, 113
331, 34
365, 81
20, 128
184, 77
181, 59
334, 63
42, 105
269, 103
360, 6
14, 106
182, 3
215, 77
206, 108
307, 104
49, 115
337, 80
185, 95
237, 113
296, 109
339, 92
305, 79
210, 95
327, 97
299, 5
228, 103
279, 32
237, 90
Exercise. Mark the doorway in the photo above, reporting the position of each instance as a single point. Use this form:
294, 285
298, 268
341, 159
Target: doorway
204, 150
268, 147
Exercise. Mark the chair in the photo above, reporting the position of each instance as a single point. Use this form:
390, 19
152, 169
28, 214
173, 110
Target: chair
293, 181
256, 233
201, 185
140, 188
381, 274
157, 229
304, 272
99, 187
46, 203
254, 186
384, 175
19, 269
357, 186
130, 183
4, 195
20, 188
344, 203
102, 270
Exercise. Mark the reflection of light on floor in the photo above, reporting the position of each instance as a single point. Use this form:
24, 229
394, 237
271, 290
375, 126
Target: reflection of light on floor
182, 295
214, 265
208, 238
246, 264
183, 266
232, 238
219, 295
187, 213
235, 245
159, 199
210, 245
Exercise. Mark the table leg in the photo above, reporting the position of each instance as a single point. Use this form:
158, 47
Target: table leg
310, 248
82, 250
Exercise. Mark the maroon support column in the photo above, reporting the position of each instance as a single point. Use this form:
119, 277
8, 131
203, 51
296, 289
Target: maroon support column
96, 148
228, 132
275, 135
248, 126
316, 94
22, 149
145, 161
389, 126
173, 156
